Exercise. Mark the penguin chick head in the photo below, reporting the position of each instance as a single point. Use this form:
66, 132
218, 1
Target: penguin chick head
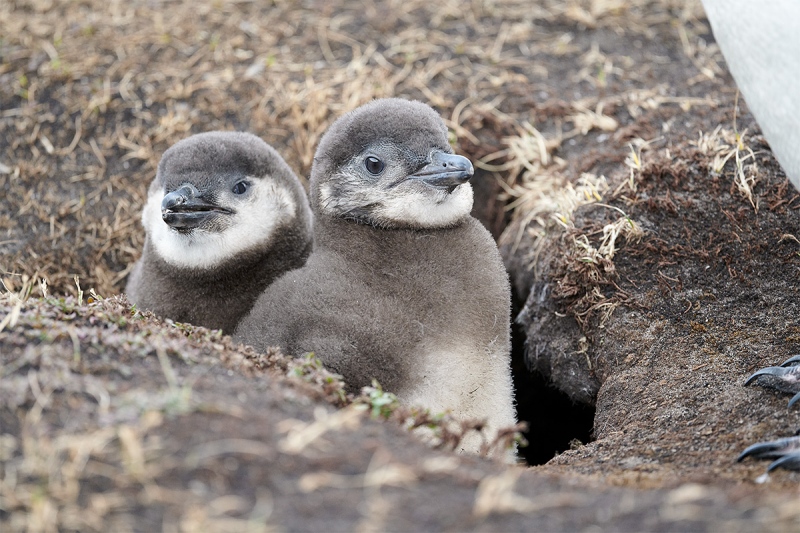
217, 195
389, 164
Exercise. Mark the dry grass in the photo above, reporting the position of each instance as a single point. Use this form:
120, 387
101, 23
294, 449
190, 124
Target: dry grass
537, 168
723, 145
49, 467
93, 93
46, 467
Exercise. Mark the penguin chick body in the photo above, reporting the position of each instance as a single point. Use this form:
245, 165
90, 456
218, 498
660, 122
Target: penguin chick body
403, 286
225, 216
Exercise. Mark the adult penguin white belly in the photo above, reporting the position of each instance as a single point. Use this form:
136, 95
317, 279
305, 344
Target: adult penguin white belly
761, 45
225, 216
403, 286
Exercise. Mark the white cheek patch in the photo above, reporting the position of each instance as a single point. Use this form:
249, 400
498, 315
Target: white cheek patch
420, 208
327, 201
253, 225
350, 196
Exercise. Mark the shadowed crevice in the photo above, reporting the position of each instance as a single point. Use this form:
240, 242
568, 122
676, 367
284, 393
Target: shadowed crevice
553, 419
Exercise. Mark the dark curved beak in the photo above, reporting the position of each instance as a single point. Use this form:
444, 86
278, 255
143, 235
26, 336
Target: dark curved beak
445, 171
186, 209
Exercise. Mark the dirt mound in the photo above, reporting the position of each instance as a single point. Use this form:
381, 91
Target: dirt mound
113, 420
664, 333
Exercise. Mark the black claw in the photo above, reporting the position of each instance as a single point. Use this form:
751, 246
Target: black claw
790, 461
782, 378
769, 371
773, 449
786, 452
794, 399
795, 360
763, 450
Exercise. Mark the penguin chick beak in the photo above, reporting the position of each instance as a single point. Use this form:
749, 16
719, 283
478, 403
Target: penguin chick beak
186, 209
445, 171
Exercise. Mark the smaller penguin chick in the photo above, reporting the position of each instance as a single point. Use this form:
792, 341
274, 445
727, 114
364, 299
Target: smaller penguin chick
225, 216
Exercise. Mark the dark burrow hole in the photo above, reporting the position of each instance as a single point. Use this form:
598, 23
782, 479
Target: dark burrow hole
554, 421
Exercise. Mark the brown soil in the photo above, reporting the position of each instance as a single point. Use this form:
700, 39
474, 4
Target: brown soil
114, 420
706, 297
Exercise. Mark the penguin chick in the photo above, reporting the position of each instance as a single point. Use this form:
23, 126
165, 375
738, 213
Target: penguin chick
403, 286
225, 216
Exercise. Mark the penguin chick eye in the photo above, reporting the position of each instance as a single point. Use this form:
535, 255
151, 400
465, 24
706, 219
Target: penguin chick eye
374, 165
240, 188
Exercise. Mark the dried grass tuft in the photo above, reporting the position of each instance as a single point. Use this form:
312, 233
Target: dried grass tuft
93, 93
723, 145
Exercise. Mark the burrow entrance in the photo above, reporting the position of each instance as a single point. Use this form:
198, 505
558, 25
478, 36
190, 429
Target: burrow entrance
554, 421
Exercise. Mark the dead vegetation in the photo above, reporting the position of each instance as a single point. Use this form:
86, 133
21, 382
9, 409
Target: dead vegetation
124, 375
84, 131
691, 304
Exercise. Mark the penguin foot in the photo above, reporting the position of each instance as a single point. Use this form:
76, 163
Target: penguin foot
786, 451
784, 378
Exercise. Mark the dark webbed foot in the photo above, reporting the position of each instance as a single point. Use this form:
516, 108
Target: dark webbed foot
784, 378
787, 452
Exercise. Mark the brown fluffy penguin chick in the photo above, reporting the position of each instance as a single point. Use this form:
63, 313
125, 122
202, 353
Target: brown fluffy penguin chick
224, 217
403, 286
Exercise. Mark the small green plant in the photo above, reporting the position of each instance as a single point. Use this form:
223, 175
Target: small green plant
63, 305
310, 369
120, 321
178, 401
308, 364
23, 86
178, 398
382, 403
213, 41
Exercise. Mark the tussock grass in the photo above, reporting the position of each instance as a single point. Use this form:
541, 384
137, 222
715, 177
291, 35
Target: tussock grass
723, 145
93, 93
